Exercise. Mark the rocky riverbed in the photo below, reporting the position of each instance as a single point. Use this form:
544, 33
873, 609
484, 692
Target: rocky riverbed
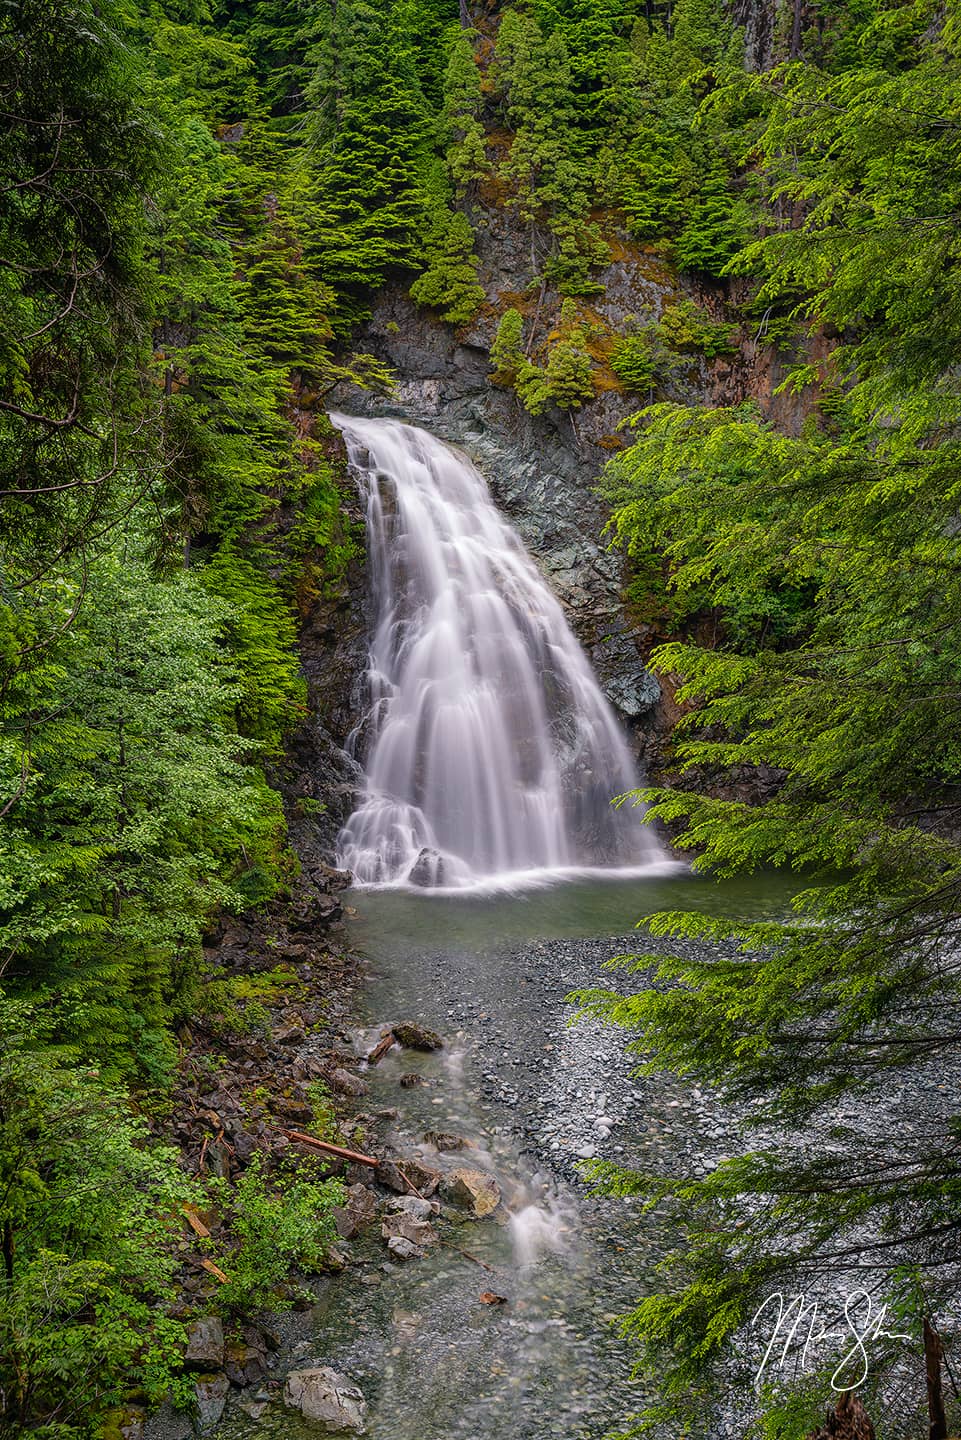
478, 1282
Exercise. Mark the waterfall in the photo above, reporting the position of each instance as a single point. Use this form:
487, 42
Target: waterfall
491, 754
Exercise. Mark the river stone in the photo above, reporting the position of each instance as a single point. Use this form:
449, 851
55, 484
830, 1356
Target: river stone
416, 1037
205, 1344
212, 1393
408, 1227
403, 1249
445, 1140
473, 1189
360, 1210
413, 1175
321, 1394
414, 1205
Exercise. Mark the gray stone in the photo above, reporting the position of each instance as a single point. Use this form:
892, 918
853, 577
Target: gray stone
205, 1344
321, 1394
360, 1211
408, 1227
413, 1205
212, 1391
404, 1249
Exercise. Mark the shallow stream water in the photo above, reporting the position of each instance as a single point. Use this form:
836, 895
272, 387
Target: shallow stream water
533, 1095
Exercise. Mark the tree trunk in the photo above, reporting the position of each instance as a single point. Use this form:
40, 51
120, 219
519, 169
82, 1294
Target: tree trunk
796, 30
938, 1429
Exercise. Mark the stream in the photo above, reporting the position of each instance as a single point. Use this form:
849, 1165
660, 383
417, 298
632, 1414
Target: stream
532, 1095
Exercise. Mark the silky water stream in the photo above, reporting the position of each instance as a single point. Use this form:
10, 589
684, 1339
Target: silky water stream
495, 878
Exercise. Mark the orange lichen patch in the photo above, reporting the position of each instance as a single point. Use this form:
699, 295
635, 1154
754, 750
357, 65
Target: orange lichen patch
495, 192
499, 140
513, 300
611, 442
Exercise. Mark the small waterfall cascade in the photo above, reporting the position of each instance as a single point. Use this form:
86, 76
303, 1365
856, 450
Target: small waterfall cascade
491, 754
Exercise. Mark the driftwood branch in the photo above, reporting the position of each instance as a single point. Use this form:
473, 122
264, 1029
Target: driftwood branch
338, 1150
384, 1044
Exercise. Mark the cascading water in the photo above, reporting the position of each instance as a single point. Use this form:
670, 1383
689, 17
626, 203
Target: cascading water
491, 754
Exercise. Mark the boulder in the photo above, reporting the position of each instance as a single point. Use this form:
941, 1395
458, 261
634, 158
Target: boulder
408, 1227
474, 1190
212, 1393
347, 1083
416, 1037
414, 1205
245, 1358
403, 1249
205, 1344
359, 1211
321, 1394
406, 1175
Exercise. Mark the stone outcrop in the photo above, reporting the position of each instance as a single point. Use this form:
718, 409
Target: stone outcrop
320, 1394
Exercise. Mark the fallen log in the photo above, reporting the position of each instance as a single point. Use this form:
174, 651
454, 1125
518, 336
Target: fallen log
338, 1150
385, 1043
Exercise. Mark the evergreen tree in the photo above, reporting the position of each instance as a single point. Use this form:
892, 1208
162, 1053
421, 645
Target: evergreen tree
450, 281
463, 134
363, 197
569, 366
831, 562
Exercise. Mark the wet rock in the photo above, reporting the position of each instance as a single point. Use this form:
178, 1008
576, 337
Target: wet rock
408, 1175
413, 1205
359, 1211
416, 1037
205, 1344
403, 1249
347, 1083
410, 1082
428, 870
245, 1358
321, 1394
444, 1140
408, 1227
212, 1393
253, 1407
474, 1190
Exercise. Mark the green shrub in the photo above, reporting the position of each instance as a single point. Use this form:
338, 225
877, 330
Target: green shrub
277, 1224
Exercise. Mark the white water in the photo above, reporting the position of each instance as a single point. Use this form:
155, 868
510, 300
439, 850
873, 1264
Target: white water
491, 754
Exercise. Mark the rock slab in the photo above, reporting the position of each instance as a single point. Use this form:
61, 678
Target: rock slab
321, 1394
474, 1190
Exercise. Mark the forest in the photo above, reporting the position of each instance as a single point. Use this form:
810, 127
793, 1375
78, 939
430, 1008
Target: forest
200, 203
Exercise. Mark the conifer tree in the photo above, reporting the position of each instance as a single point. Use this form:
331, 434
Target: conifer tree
450, 282
569, 366
463, 133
